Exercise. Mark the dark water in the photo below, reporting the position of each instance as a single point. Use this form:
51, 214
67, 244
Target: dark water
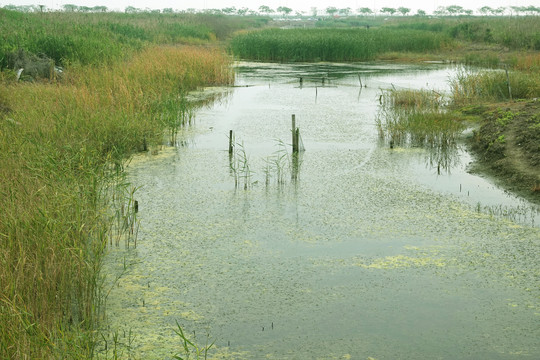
370, 252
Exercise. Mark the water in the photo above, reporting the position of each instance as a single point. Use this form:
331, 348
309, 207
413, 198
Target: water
370, 253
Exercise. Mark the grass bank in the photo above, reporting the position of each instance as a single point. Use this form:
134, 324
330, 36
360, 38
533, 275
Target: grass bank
62, 144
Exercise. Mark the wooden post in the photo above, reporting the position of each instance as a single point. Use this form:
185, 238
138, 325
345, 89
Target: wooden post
360, 79
231, 142
294, 138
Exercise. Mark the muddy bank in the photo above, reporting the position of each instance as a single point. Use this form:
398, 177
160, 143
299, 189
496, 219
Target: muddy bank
507, 146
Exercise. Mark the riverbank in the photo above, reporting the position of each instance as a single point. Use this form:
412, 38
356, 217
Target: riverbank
63, 146
506, 145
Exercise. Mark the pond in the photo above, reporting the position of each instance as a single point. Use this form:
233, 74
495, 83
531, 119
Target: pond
352, 250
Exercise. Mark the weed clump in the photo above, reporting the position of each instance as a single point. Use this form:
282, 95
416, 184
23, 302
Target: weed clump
470, 87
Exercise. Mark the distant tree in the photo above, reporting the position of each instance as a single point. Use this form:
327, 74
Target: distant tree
455, 10
242, 11
331, 10
365, 11
387, 10
403, 10
167, 11
284, 10
70, 7
499, 11
533, 10
314, 11
515, 9
420, 12
131, 10
99, 8
345, 11
265, 9
485, 10
229, 10
441, 11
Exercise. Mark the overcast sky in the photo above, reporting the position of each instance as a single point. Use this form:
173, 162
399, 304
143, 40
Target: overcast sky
296, 5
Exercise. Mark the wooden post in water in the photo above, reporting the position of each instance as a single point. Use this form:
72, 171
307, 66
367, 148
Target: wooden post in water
231, 142
294, 137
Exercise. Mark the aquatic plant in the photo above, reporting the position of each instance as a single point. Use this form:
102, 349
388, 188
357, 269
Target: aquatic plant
419, 118
469, 86
240, 167
331, 44
280, 164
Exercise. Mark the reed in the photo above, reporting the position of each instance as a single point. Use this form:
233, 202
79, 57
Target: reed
240, 167
332, 44
419, 118
517, 33
470, 86
63, 146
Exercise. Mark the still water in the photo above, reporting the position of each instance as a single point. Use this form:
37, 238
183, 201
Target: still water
353, 250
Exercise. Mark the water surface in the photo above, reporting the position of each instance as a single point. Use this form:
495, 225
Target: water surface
368, 252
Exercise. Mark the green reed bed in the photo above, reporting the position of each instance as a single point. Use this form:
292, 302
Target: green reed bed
62, 149
417, 118
470, 86
517, 32
332, 44
420, 118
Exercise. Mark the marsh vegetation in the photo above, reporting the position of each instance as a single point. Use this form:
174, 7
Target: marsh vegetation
96, 88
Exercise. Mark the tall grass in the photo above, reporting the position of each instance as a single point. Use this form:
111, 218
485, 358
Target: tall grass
517, 33
332, 44
95, 38
61, 145
470, 86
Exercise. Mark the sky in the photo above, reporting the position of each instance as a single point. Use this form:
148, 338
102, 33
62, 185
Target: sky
297, 5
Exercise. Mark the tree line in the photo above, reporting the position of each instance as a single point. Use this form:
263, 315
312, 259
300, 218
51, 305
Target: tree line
332, 11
